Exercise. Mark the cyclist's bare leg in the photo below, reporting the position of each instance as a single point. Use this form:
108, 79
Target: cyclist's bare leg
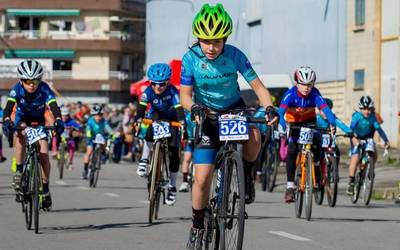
187, 158
252, 146
44, 159
19, 143
353, 164
86, 157
201, 185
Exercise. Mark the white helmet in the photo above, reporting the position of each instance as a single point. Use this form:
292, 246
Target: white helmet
30, 69
366, 102
304, 75
65, 110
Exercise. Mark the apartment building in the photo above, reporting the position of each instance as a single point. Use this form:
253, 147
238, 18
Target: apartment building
96, 47
373, 59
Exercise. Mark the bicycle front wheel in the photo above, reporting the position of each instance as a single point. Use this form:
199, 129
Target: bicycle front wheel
36, 192
154, 169
231, 212
357, 186
97, 167
27, 202
298, 206
368, 183
309, 184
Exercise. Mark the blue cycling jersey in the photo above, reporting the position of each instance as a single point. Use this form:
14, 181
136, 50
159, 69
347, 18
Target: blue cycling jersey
324, 124
215, 81
72, 124
93, 128
164, 104
296, 108
364, 127
31, 105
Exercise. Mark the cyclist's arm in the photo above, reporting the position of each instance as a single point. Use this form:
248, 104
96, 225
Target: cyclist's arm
186, 97
380, 131
343, 126
262, 93
51, 102
180, 113
8, 109
55, 109
323, 106
144, 100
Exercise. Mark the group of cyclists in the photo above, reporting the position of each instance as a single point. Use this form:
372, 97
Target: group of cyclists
208, 86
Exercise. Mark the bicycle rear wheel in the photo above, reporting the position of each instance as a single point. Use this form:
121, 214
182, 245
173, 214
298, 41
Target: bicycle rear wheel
309, 185
154, 169
298, 206
231, 212
368, 183
319, 194
332, 181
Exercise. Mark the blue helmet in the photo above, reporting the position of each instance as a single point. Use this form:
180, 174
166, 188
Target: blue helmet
159, 72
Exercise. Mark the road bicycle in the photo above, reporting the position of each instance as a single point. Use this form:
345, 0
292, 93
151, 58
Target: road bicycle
305, 175
365, 173
95, 160
225, 212
31, 193
158, 176
270, 159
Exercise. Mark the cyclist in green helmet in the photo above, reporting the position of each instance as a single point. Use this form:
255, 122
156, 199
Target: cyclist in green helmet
209, 82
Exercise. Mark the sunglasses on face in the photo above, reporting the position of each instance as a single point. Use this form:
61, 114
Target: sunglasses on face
160, 84
29, 82
310, 85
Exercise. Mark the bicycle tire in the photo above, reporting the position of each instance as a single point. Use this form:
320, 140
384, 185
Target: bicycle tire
27, 199
231, 223
332, 181
160, 188
36, 193
211, 238
265, 171
368, 183
61, 161
299, 195
357, 186
319, 194
309, 185
274, 167
154, 174
92, 164
97, 167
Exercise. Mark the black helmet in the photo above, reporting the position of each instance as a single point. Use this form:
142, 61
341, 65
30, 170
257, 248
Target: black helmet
329, 102
366, 102
96, 110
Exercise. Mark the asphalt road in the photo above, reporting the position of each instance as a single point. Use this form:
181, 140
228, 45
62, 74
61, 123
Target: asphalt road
114, 216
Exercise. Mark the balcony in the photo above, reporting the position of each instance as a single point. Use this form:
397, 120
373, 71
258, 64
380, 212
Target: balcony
113, 41
112, 75
131, 7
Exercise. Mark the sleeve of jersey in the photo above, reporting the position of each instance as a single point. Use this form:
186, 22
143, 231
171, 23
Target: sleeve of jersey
380, 131
282, 109
244, 66
12, 96
322, 105
187, 76
343, 126
144, 99
354, 121
176, 100
50, 95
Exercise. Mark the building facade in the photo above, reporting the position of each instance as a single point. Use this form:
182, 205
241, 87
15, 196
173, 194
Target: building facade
96, 46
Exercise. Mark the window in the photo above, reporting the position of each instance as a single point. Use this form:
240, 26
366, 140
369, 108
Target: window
255, 43
62, 65
28, 23
60, 25
360, 12
359, 79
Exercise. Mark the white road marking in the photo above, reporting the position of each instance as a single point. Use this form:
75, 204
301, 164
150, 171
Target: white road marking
144, 201
60, 182
290, 236
83, 188
112, 194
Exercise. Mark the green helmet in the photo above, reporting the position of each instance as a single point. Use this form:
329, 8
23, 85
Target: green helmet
212, 23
